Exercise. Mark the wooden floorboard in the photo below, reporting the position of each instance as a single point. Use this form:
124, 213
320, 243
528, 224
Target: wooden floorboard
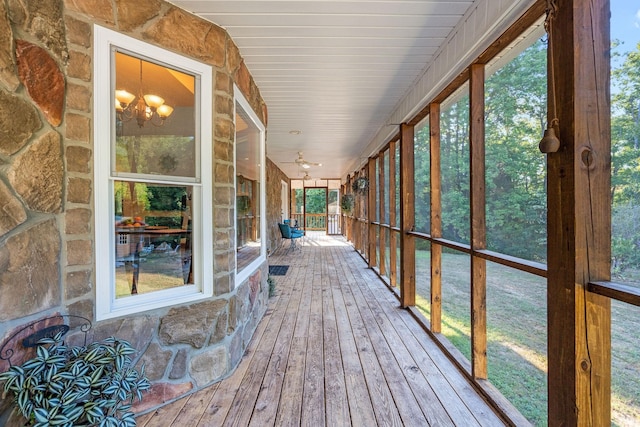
334, 349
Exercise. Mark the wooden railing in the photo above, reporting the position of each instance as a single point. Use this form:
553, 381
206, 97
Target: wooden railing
333, 224
315, 222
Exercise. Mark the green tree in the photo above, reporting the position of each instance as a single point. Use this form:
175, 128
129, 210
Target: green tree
625, 160
516, 111
454, 172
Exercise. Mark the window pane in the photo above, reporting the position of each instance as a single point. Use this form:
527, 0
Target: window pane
625, 364
516, 115
456, 300
625, 141
385, 188
153, 237
422, 178
454, 151
517, 350
248, 169
376, 179
147, 143
423, 277
398, 201
315, 208
625, 210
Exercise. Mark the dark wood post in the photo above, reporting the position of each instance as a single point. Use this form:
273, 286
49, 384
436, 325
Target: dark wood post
407, 217
478, 222
371, 210
436, 219
579, 216
393, 241
382, 240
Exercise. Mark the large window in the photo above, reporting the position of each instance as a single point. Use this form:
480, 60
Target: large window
250, 202
153, 202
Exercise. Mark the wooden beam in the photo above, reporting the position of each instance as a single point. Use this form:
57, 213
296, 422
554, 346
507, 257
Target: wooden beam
371, 212
393, 240
478, 223
579, 216
436, 217
407, 218
382, 241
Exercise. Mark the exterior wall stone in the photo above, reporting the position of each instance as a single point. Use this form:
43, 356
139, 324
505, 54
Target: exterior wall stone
29, 272
37, 174
19, 120
274, 204
78, 284
8, 75
44, 81
79, 190
14, 213
47, 244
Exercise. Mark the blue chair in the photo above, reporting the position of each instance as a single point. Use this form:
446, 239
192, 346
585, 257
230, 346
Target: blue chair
288, 233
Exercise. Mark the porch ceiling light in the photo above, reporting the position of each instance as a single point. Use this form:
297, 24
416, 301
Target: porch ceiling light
147, 107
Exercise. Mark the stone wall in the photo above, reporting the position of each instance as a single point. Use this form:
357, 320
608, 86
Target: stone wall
46, 186
274, 204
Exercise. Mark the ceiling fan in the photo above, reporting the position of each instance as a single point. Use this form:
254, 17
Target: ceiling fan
300, 161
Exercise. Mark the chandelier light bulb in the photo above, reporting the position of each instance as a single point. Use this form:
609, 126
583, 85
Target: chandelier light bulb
164, 111
153, 101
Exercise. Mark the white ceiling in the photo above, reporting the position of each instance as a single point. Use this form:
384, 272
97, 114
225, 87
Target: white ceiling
333, 70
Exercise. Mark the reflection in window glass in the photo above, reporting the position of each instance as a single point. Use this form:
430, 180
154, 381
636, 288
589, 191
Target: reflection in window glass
248, 170
155, 131
454, 167
421, 147
516, 115
153, 237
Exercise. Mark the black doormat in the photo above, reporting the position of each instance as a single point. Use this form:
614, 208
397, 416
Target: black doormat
278, 270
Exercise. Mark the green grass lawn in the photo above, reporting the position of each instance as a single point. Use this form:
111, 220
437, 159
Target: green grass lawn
517, 335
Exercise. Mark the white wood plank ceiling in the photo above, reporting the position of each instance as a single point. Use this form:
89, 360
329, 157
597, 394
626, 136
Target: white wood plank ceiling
333, 70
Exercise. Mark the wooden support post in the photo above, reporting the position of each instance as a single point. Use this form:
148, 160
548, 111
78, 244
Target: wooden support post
382, 240
407, 217
478, 223
393, 241
579, 216
371, 210
436, 218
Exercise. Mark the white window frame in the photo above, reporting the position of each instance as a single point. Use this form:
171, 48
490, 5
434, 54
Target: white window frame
107, 306
262, 258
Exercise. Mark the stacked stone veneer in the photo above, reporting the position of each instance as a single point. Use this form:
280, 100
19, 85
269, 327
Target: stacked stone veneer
275, 176
46, 186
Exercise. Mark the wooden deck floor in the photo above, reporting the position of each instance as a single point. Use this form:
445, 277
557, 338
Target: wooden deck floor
334, 349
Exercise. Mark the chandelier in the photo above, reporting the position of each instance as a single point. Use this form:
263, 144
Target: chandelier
148, 108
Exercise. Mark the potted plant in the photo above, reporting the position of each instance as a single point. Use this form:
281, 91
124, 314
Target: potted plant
346, 203
243, 204
77, 386
360, 185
